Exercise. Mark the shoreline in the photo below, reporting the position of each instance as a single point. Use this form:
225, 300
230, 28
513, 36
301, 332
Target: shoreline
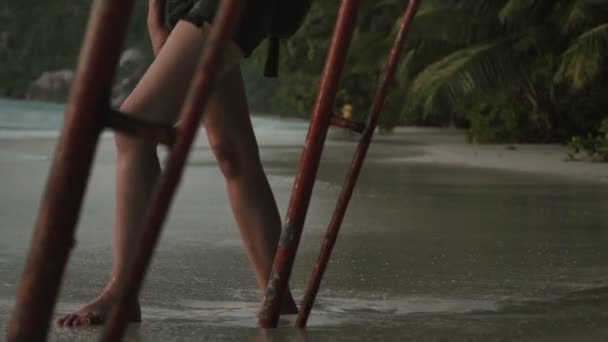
442, 146
448, 146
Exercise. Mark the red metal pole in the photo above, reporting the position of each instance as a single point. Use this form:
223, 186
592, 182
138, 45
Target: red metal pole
351, 179
223, 27
59, 211
309, 163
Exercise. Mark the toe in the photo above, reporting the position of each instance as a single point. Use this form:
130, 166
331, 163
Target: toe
76, 322
63, 320
81, 321
70, 321
88, 319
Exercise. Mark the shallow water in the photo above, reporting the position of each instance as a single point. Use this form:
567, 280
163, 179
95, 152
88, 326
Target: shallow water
426, 252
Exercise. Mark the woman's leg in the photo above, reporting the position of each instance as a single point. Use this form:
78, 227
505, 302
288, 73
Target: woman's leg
157, 97
233, 142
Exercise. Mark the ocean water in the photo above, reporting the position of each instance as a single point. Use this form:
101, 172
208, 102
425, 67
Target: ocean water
43, 119
426, 253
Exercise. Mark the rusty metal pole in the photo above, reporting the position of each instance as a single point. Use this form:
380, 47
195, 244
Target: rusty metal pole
351, 178
309, 163
223, 27
59, 211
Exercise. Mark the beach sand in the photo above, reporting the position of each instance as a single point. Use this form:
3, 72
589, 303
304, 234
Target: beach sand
442, 241
448, 146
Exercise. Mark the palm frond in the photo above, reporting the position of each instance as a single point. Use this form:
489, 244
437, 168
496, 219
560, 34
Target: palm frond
454, 21
583, 61
576, 16
403, 71
463, 73
515, 11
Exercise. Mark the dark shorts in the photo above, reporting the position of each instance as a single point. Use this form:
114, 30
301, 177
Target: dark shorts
252, 29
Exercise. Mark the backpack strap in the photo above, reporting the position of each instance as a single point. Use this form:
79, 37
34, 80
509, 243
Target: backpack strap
272, 58
287, 17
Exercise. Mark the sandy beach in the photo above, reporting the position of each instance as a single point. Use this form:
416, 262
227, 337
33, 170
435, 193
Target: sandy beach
449, 147
442, 240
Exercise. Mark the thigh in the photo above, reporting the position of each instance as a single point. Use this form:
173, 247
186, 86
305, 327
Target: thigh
160, 93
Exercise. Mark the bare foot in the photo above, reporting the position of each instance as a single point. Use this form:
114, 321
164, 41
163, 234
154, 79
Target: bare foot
95, 313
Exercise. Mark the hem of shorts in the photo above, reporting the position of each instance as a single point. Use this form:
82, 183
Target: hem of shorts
199, 23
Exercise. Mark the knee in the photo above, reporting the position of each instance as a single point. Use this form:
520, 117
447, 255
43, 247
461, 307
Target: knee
235, 155
228, 157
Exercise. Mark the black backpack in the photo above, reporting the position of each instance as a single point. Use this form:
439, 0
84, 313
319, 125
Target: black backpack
287, 18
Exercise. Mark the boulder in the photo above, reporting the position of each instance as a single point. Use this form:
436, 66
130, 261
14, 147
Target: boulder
132, 59
51, 86
131, 68
55, 86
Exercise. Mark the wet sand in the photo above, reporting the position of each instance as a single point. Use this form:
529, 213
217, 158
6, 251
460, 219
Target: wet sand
448, 147
442, 241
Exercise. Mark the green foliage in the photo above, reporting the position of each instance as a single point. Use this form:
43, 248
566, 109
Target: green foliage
593, 146
498, 118
542, 54
536, 58
584, 60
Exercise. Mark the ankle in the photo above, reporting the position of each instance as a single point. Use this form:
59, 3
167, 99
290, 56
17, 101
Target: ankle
111, 290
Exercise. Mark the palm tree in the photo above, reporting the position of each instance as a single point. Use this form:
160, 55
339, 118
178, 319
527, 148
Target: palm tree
533, 50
